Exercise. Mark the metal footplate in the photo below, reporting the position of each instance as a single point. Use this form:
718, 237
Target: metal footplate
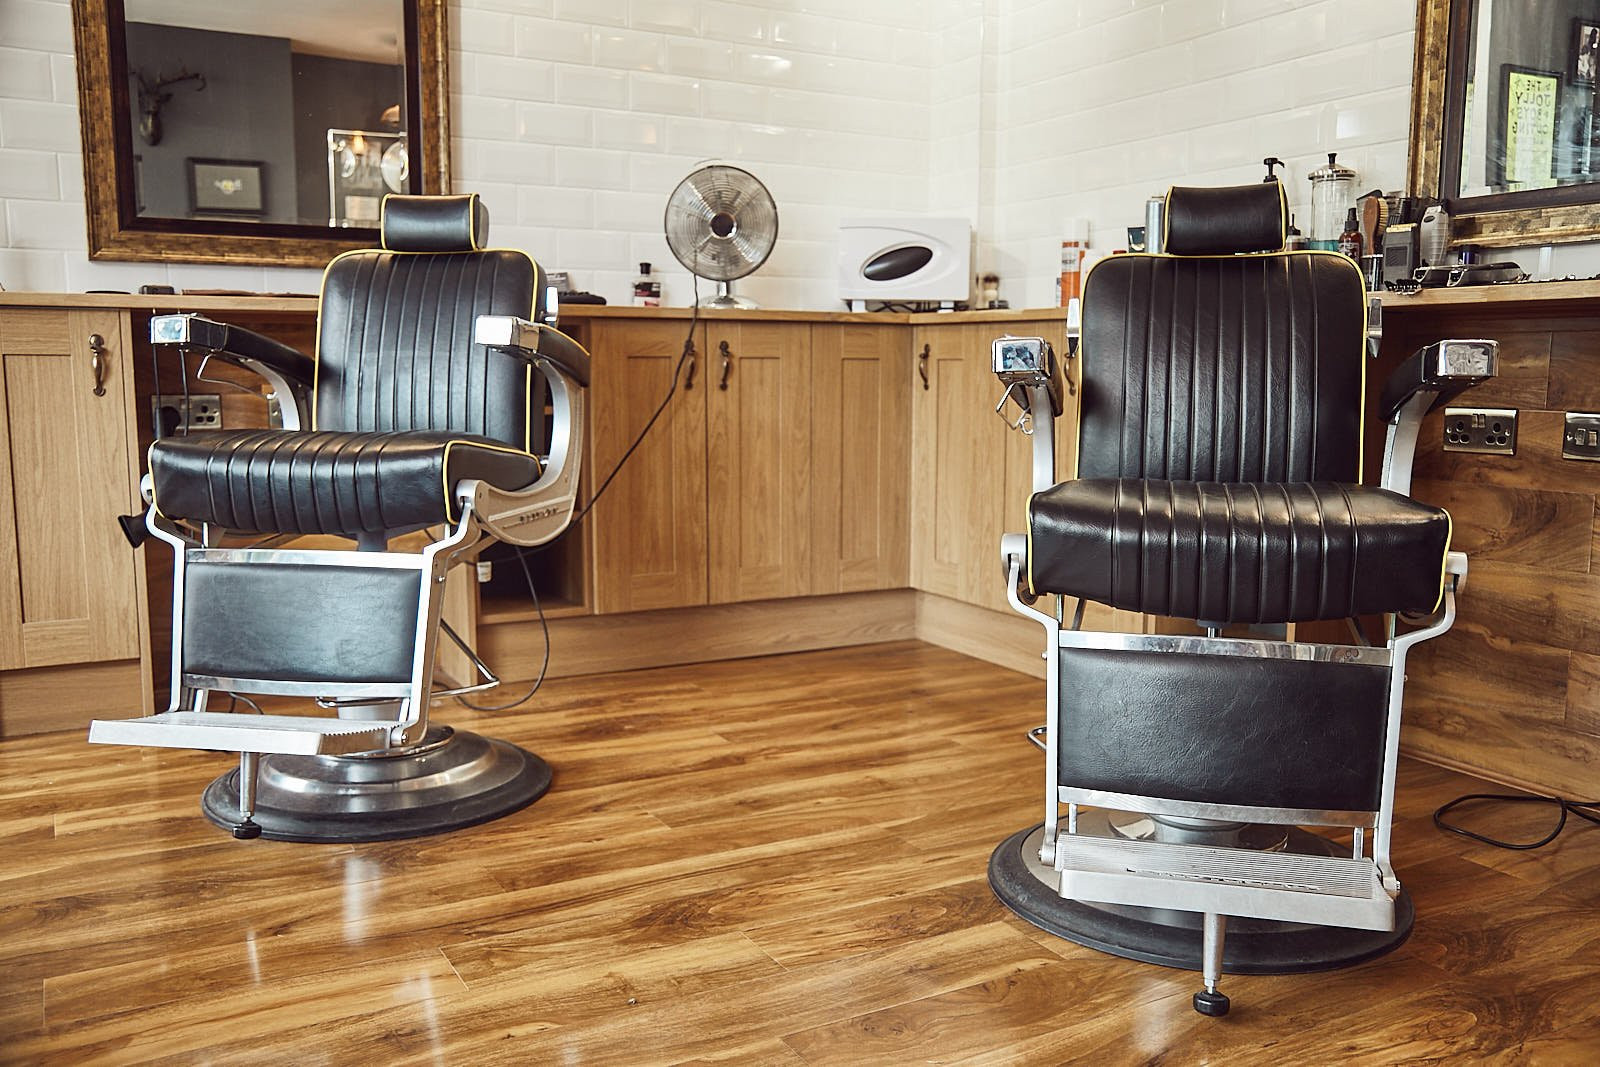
225, 731
1325, 890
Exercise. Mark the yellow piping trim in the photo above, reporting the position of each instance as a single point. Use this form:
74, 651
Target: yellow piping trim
1444, 561
444, 469
1361, 355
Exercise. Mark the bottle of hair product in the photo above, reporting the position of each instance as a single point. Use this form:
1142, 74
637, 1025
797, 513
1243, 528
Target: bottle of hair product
646, 290
1350, 237
1070, 285
1293, 239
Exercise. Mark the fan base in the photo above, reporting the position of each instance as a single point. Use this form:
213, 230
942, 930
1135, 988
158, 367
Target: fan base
729, 301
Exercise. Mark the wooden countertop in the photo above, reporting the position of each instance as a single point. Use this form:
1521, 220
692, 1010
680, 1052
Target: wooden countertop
308, 304
1524, 294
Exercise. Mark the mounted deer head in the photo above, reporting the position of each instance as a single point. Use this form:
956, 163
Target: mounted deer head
152, 96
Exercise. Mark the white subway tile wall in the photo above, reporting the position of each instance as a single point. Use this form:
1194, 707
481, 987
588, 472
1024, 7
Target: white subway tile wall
575, 119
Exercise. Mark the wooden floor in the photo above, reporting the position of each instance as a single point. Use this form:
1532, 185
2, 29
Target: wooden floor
774, 861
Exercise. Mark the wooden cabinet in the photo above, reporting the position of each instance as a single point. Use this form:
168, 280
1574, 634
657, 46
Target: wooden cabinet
68, 594
779, 473
972, 476
650, 526
861, 454
758, 460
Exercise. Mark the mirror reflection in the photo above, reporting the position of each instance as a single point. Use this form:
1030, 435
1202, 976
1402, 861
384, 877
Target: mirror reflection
290, 112
1531, 97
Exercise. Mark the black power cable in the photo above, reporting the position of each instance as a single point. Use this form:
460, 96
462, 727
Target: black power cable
522, 553
1563, 806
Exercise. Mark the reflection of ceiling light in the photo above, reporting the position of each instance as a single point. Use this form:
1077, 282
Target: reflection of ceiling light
391, 115
358, 144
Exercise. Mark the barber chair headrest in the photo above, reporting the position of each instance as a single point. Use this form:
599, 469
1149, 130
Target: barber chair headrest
434, 223
1225, 220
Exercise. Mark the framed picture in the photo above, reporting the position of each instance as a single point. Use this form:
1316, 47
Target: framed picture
226, 187
1528, 126
1585, 57
364, 166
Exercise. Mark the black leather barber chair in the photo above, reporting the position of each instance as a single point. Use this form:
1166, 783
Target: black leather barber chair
1219, 480
423, 409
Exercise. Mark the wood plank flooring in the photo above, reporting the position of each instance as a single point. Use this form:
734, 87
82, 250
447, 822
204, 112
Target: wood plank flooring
766, 861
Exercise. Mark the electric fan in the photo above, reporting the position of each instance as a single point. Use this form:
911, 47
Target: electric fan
721, 223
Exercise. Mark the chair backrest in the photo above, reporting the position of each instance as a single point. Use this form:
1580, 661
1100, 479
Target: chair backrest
1224, 358
394, 329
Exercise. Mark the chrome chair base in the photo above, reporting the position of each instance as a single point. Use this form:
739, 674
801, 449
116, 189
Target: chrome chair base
450, 780
1172, 938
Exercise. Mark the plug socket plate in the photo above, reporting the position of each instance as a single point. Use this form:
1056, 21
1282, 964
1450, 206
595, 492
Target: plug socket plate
1488, 430
197, 411
1581, 437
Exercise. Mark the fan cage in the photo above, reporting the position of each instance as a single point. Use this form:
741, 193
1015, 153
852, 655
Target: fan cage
721, 222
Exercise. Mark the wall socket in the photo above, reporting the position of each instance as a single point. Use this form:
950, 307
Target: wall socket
1491, 430
1581, 438
175, 413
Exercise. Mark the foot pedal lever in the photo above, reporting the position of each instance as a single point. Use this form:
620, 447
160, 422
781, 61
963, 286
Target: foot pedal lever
247, 829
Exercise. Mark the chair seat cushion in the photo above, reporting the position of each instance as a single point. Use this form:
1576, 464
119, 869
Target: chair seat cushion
1237, 552
293, 481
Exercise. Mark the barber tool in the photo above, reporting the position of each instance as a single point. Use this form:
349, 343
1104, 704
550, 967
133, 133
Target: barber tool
1485, 273
905, 259
1400, 253
1433, 231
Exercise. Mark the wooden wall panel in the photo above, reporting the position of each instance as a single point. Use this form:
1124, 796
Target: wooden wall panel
1514, 690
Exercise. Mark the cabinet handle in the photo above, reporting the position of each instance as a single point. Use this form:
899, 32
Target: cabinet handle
97, 362
922, 364
694, 361
727, 365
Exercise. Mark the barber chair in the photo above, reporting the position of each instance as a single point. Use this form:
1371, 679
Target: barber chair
441, 398
1218, 480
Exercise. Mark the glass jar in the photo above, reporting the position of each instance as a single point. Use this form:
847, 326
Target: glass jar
1333, 194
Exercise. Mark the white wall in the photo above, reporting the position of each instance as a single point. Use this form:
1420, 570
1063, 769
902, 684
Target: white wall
575, 118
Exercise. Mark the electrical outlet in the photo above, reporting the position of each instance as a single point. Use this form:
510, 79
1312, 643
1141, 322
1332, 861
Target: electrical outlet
1492, 430
175, 413
1581, 440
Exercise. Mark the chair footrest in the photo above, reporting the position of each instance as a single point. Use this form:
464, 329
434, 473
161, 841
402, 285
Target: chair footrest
223, 731
1327, 890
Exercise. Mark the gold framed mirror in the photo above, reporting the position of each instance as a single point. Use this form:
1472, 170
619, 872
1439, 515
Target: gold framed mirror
266, 140
1505, 119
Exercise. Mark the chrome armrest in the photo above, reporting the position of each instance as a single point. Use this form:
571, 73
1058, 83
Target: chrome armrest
1028, 368
1428, 377
535, 342
539, 513
288, 371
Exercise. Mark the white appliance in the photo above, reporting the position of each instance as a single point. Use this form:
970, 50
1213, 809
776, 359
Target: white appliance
905, 260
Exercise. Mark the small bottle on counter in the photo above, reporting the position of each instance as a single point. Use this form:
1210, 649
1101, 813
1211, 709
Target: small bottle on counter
1350, 238
1293, 239
1070, 284
646, 290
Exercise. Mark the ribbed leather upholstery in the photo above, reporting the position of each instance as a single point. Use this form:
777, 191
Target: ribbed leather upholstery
1221, 221
1240, 552
1226, 368
325, 481
1220, 439
395, 351
405, 404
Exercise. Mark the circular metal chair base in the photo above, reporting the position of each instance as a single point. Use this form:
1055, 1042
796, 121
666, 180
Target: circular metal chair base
1172, 938
448, 781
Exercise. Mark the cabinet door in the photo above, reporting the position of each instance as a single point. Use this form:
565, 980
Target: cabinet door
650, 526
70, 595
759, 459
958, 501
861, 451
